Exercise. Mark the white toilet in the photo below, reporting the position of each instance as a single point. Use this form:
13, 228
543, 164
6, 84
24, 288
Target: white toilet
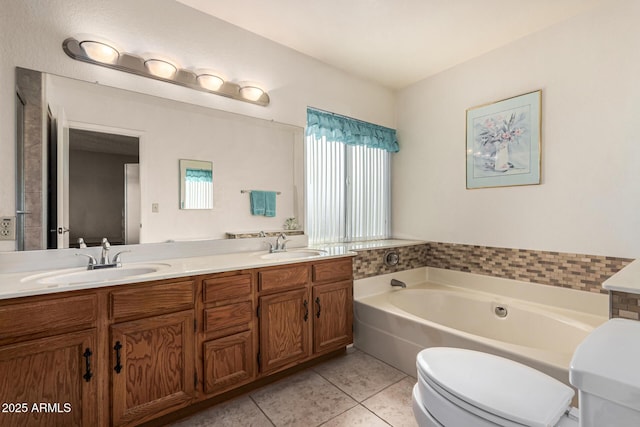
465, 388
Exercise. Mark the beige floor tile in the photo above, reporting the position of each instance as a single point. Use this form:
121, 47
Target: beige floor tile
358, 374
304, 399
238, 412
393, 404
358, 416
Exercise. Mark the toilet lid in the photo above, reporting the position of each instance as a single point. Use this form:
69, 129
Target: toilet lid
495, 385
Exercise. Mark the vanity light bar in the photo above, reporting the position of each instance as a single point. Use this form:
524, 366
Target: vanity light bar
153, 69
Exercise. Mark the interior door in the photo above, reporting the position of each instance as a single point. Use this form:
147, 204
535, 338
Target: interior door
63, 180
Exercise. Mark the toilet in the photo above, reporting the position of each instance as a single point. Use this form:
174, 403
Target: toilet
458, 387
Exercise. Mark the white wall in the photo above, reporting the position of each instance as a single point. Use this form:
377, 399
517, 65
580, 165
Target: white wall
589, 202
32, 32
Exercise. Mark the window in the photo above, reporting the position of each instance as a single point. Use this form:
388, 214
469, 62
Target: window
348, 179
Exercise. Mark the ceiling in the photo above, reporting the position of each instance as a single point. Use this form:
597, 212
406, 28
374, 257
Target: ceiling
98, 142
393, 42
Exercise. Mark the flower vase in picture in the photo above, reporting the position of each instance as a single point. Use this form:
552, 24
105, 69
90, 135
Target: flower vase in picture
501, 163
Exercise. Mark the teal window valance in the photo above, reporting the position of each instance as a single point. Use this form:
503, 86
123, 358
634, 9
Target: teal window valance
199, 175
350, 131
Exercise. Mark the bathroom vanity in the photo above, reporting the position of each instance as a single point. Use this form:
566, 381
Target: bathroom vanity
127, 354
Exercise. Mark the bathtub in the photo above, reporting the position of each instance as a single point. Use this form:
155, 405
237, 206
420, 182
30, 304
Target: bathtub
537, 325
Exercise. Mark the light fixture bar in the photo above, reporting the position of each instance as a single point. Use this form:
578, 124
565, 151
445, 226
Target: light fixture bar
135, 65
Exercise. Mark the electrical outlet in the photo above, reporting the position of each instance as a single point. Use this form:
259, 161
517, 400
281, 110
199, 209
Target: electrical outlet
8, 228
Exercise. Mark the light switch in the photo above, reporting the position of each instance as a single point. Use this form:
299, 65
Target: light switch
155, 207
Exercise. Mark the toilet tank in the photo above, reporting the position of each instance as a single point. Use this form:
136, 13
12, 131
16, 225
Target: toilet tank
605, 370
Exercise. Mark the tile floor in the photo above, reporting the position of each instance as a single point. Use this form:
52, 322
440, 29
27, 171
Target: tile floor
351, 390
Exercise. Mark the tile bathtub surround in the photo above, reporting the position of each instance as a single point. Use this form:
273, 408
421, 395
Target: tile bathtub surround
354, 389
370, 262
575, 271
625, 305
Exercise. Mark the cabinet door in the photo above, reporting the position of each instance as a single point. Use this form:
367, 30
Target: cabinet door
332, 316
152, 362
49, 382
228, 361
284, 329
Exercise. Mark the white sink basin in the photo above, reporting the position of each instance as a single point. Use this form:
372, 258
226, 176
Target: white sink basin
76, 276
294, 254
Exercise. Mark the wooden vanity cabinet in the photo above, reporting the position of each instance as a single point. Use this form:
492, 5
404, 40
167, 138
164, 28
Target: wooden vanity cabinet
332, 295
228, 341
152, 349
285, 327
128, 354
48, 361
304, 310
284, 316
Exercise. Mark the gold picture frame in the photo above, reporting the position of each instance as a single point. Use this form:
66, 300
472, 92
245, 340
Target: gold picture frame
503, 144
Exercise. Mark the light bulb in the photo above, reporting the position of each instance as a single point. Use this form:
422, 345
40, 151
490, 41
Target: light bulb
99, 52
160, 68
210, 82
251, 93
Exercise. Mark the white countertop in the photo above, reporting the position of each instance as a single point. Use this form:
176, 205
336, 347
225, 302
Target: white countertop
28, 283
625, 280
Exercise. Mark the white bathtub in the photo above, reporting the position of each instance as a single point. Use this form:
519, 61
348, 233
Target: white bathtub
542, 327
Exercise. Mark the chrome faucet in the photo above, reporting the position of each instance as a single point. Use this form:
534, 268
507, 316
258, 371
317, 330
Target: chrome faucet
280, 244
104, 258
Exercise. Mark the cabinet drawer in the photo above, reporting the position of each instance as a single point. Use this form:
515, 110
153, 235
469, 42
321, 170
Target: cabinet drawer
229, 287
53, 314
331, 271
228, 316
283, 278
148, 300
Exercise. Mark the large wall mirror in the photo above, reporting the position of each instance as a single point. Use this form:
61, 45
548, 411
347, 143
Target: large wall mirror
96, 161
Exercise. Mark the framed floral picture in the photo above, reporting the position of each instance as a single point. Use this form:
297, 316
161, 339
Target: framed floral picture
503, 142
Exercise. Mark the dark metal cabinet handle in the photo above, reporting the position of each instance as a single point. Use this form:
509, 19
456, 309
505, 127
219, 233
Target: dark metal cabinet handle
117, 348
319, 308
306, 310
87, 365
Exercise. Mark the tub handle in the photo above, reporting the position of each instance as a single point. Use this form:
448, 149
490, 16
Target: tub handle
319, 308
306, 310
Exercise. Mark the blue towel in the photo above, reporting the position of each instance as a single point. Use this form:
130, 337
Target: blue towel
269, 203
258, 204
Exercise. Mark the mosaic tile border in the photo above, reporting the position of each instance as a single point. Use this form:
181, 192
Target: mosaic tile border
256, 234
625, 305
567, 270
370, 262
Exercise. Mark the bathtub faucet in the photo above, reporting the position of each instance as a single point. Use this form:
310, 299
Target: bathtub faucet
395, 282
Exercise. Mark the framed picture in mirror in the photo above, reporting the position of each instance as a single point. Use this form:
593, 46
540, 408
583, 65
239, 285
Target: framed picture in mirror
196, 184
